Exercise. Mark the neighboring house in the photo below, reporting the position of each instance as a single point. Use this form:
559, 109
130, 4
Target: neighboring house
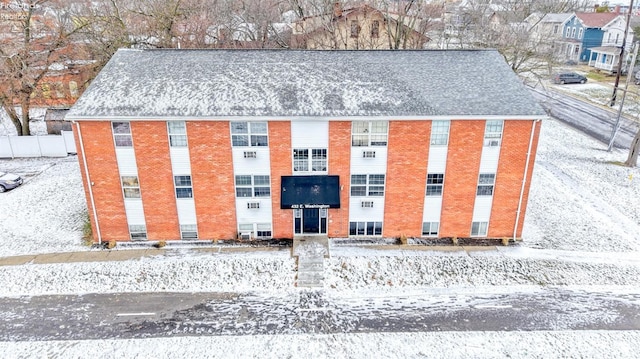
546, 31
584, 31
219, 144
360, 27
607, 56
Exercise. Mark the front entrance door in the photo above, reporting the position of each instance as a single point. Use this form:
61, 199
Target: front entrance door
310, 221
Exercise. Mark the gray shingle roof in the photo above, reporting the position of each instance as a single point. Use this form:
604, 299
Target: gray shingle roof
291, 83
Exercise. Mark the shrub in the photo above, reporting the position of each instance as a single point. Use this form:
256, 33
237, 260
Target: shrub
454, 240
403, 239
160, 244
505, 241
111, 244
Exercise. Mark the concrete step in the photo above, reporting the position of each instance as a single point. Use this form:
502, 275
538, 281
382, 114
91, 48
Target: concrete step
310, 267
317, 276
309, 284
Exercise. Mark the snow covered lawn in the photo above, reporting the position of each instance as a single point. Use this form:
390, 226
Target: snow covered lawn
582, 228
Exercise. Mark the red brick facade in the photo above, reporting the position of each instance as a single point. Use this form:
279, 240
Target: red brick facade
339, 165
212, 178
212, 173
461, 177
280, 157
406, 177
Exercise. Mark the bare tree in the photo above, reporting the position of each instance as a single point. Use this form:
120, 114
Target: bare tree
634, 150
44, 37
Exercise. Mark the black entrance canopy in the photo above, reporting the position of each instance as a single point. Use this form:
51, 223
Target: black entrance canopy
310, 192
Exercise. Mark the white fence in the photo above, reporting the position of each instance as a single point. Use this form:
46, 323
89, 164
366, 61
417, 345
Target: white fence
37, 146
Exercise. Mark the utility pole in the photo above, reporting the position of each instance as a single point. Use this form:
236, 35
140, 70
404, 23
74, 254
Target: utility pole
616, 127
624, 41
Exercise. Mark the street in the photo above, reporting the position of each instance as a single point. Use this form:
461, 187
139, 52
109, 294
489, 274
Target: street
587, 118
146, 315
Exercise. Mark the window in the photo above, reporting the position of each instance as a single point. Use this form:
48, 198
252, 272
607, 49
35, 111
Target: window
375, 29
122, 134
580, 33
130, 186
367, 185
566, 34
253, 186
485, 184
138, 232
367, 204
365, 228
189, 231
434, 184
250, 154
573, 32
355, 29
555, 29
249, 134
263, 230
183, 186
177, 133
493, 133
440, 133
317, 162
368, 154
479, 229
430, 229
373, 133
247, 231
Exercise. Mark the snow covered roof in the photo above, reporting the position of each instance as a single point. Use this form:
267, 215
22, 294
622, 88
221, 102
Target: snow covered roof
219, 84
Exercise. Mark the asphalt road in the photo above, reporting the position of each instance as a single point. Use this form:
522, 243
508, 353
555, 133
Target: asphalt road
143, 315
592, 120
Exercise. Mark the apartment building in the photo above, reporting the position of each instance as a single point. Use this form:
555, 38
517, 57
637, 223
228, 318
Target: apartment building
256, 144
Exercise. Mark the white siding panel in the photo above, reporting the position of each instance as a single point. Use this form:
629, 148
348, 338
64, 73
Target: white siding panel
259, 165
361, 165
357, 213
126, 161
482, 208
437, 159
489, 159
310, 134
432, 209
180, 160
186, 210
260, 215
69, 141
135, 212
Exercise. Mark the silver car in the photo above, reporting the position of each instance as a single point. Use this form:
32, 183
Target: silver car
9, 181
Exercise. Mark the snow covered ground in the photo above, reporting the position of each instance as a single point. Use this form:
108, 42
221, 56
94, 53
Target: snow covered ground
582, 229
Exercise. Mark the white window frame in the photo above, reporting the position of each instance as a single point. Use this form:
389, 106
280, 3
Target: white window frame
138, 232
486, 184
183, 186
130, 189
435, 184
365, 228
189, 231
580, 33
430, 229
440, 132
122, 133
316, 160
372, 184
369, 133
493, 132
479, 229
256, 185
249, 134
177, 131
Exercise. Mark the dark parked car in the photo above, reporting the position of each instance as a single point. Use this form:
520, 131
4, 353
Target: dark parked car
569, 78
9, 181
